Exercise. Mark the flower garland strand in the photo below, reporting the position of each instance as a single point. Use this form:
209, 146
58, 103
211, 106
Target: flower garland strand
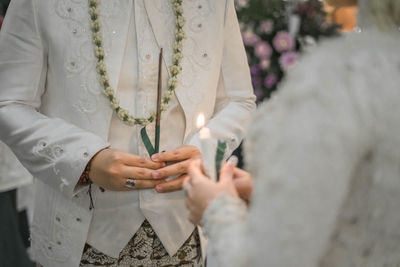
175, 68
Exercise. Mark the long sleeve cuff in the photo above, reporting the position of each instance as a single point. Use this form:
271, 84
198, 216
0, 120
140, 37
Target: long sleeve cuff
224, 224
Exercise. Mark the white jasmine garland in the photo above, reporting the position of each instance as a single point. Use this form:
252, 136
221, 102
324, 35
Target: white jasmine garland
101, 69
108, 92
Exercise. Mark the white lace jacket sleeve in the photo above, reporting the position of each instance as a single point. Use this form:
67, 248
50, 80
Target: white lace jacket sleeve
38, 141
301, 149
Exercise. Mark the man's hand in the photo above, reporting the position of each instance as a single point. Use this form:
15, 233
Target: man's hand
110, 169
178, 161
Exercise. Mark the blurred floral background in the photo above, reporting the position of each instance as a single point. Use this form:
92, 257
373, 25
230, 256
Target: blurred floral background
275, 33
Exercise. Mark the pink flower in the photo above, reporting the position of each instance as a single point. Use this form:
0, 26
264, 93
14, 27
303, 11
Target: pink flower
250, 38
283, 42
288, 60
263, 50
265, 63
270, 80
267, 26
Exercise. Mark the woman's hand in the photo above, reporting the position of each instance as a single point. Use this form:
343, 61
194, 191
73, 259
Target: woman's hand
111, 168
243, 183
201, 190
178, 163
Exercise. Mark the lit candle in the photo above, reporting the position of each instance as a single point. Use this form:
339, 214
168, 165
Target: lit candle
207, 148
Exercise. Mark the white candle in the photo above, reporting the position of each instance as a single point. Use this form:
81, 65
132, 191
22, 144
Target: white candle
208, 148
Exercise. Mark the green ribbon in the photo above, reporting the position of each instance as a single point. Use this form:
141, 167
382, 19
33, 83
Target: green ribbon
157, 140
147, 143
219, 156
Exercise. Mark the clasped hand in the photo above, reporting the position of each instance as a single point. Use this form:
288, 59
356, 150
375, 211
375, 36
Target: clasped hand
111, 168
201, 191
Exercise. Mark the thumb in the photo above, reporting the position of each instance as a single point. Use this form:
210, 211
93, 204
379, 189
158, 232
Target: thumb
194, 169
227, 169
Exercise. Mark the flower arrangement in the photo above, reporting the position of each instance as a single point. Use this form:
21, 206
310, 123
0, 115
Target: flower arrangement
275, 32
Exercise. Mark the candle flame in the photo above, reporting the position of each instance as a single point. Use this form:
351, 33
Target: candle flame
201, 120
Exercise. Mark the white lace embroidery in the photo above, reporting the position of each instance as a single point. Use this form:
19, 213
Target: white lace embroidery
234, 210
196, 59
148, 55
226, 215
80, 61
51, 153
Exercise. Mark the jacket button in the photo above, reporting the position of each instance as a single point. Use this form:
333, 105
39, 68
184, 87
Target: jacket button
58, 243
78, 219
58, 219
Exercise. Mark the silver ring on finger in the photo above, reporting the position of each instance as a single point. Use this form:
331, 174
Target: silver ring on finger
130, 183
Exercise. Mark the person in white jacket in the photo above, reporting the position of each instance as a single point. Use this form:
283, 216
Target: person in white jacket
79, 82
324, 154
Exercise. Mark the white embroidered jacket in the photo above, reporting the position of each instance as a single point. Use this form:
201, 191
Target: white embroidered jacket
55, 118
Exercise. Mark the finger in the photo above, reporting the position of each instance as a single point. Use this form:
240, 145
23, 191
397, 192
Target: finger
136, 172
195, 170
172, 185
239, 173
134, 160
170, 170
142, 184
181, 153
176, 161
226, 172
233, 160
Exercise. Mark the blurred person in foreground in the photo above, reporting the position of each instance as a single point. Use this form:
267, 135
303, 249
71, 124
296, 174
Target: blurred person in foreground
324, 153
